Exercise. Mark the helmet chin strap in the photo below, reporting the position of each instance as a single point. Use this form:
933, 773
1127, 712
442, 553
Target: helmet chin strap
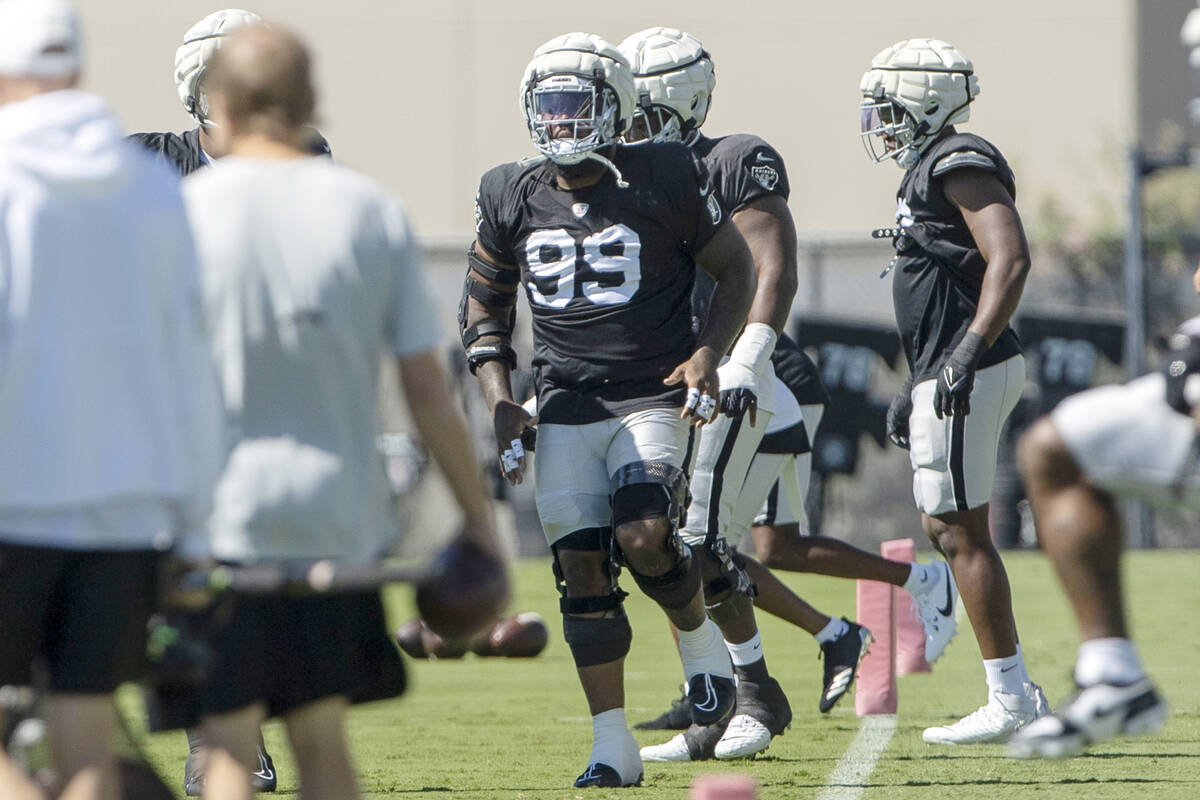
621, 182
592, 154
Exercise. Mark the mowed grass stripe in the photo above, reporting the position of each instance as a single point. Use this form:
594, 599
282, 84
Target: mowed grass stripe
475, 729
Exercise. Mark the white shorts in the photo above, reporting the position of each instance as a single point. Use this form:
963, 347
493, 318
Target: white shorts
954, 458
574, 463
777, 484
1127, 440
723, 455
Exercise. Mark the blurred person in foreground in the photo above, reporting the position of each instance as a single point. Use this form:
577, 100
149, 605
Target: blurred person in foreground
1139, 440
188, 152
309, 271
109, 413
960, 266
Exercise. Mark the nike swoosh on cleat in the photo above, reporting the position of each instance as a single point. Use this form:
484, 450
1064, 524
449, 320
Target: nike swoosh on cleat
710, 702
948, 609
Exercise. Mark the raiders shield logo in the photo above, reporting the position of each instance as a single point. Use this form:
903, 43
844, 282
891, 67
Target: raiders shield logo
714, 208
579, 209
767, 177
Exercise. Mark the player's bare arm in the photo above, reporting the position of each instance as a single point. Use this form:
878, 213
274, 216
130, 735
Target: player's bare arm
509, 419
992, 218
766, 225
727, 259
444, 432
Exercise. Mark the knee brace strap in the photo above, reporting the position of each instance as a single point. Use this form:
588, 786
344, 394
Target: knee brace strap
597, 640
587, 540
733, 607
675, 588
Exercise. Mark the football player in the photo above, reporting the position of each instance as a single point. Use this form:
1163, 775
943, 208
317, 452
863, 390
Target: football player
1140, 440
605, 241
675, 78
960, 265
191, 150
186, 153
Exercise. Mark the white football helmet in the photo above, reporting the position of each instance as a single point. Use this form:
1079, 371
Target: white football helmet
577, 97
1190, 36
200, 44
912, 91
674, 78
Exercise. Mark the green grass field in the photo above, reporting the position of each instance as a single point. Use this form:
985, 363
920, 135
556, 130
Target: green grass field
494, 728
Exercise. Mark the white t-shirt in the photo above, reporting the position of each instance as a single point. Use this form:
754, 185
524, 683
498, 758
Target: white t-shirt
309, 271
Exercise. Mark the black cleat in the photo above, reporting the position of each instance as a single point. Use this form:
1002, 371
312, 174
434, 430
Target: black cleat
675, 718
766, 703
697, 743
711, 698
842, 657
263, 779
602, 776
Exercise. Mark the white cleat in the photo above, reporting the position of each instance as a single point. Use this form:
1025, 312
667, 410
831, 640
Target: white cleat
1092, 715
1003, 716
744, 737
1041, 704
674, 750
935, 606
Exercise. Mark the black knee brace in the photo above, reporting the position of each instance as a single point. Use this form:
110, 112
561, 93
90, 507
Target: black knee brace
649, 489
675, 588
593, 640
732, 582
597, 640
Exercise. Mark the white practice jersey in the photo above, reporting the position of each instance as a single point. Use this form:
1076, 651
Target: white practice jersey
309, 274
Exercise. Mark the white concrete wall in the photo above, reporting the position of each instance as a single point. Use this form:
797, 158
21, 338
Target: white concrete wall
422, 95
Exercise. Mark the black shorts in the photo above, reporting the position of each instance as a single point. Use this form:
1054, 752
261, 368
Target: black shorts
79, 615
286, 653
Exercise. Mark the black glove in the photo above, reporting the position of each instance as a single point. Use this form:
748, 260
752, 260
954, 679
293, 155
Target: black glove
898, 413
956, 379
1182, 361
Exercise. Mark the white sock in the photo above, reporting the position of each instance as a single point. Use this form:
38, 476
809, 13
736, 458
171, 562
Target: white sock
703, 651
747, 652
610, 735
1005, 674
1110, 660
832, 630
920, 578
1024, 670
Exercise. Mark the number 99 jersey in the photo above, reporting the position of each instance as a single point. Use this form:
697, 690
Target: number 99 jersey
608, 272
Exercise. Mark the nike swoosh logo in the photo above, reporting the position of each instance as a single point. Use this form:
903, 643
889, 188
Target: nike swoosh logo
1008, 669
947, 609
264, 769
761, 157
710, 702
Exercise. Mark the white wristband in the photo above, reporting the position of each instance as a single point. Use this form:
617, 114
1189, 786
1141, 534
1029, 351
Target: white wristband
755, 346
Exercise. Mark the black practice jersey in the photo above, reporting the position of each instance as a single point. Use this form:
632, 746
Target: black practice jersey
608, 273
743, 169
183, 152
939, 269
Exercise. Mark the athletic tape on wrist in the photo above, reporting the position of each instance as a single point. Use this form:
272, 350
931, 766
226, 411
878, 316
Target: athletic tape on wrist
755, 346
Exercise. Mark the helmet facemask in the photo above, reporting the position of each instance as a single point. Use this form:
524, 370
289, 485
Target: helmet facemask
889, 130
654, 122
571, 116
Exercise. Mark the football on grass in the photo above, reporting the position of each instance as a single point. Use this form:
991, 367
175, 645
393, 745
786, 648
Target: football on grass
522, 636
